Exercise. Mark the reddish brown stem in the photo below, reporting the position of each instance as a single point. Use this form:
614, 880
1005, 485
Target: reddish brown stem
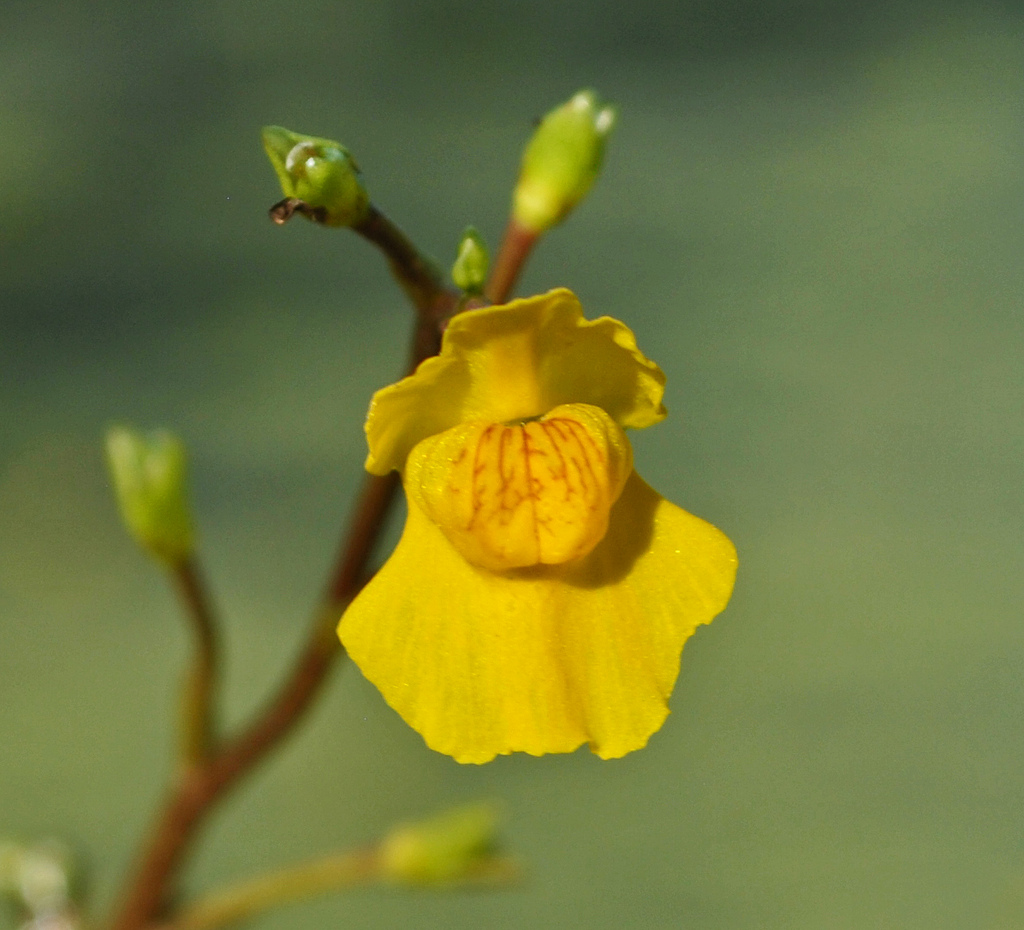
515, 250
198, 711
203, 783
417, 275
199, 787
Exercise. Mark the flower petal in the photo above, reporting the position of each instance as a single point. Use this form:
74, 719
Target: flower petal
516, 361
546, 658
519, 494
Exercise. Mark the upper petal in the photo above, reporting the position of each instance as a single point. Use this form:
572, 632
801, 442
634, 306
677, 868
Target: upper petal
515, 361
543, 659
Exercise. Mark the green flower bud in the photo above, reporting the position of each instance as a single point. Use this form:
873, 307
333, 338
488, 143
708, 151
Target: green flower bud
321, 175
471, 263
561, 161
39, 878
148, 472
44, 878
448, 847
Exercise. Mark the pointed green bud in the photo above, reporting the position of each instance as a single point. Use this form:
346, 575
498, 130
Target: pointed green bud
562, 161
471, 263
320, 174
148, 472
451, 846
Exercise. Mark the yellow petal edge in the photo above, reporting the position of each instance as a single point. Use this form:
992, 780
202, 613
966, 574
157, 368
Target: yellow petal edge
511, 362
547, 658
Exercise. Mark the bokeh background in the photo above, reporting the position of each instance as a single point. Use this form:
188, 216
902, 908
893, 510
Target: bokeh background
810, 214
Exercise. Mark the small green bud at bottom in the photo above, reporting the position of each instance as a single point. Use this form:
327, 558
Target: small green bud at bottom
38, 877
444, 848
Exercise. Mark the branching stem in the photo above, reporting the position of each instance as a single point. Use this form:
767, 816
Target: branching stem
210, 773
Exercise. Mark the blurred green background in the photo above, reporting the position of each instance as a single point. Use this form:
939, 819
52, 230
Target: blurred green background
810, 214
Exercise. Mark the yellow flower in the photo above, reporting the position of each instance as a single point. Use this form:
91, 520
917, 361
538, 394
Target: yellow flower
541, 592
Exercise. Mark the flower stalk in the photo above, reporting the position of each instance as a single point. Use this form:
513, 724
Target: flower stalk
198, 707
454, 847
238, 902
516, 246
322, 182
201, 785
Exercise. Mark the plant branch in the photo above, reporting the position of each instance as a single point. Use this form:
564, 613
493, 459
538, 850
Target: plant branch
237, 902
202, 784
326, 874
198, 708
417, 275
516, 247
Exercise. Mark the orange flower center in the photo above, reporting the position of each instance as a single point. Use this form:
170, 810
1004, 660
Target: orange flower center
520, 494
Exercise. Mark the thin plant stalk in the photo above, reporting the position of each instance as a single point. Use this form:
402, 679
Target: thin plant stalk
204, 782
238, 902
516, 246
198, 713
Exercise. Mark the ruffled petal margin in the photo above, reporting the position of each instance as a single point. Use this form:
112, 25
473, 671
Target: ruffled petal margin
514, 361
547, 658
